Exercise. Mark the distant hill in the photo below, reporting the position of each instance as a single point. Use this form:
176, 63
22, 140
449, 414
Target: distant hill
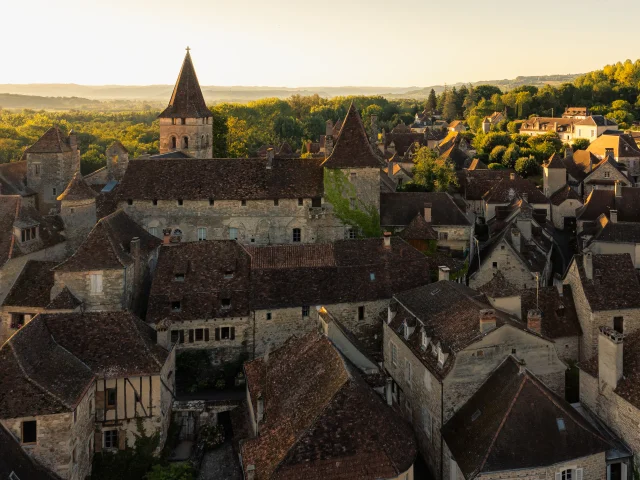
72, 96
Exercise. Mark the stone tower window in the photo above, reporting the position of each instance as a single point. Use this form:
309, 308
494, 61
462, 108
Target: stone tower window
183, 121
297, 235
185, 142
618, 324
173, 121
29, 432
36, 168
174, 143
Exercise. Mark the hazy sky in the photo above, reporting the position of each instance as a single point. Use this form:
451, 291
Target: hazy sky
311, 43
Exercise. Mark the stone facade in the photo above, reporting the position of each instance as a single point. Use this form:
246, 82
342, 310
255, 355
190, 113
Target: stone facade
190, 135
116, 292
117, 161
604, 177
58, 436
79, 217
427, 400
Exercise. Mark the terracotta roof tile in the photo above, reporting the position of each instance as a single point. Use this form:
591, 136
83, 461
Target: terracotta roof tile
53, 141
33, 286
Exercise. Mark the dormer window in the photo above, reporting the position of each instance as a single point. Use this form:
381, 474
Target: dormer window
228, 274
424, 341
406, 331
440, 356
28, 234
179, 277
226, 303
372, 276
176, 306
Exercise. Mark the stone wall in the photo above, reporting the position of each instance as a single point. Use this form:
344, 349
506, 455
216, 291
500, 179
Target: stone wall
508, 263
457, 237
48, 174
565, 209
79, 218
568, 348
633, 249
57, 436
199, 132
618, 414
115, 294
553, 180
608, 174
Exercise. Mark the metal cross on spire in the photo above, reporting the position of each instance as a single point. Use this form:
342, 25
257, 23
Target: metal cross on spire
188, 49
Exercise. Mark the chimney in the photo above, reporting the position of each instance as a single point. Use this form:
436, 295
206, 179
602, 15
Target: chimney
328, 128
618, 188
251, 472
163, 333
374, 129
512, 176
534, 320
328, 145
73, 140
166, 236
610, 347
443, 273
487, 320
613, 216
391, 311
270, 156
608, 152
388, 393
515, 239
557, 282
427, 212
387, 239
568, 151
587, 263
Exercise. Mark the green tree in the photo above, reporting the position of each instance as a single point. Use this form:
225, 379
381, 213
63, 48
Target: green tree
510, 156
238, 133
527, 166
173, 471
580, 144
220, 132
449, 108
431, 173
497, 154
432, 102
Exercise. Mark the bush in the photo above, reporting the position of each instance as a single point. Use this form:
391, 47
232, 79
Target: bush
173, 471
526, 166
497, 153
212, 436
495, 166
580, 144
510, 156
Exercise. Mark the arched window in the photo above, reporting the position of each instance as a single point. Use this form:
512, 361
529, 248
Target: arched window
174, 143
183, 121
185, 142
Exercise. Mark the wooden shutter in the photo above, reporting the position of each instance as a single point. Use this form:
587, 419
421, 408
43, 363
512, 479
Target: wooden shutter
206, 334
559, 476
623, 467
233, 333
578, 473
122, 439
191, 335
97, 443
217, 333
181, 336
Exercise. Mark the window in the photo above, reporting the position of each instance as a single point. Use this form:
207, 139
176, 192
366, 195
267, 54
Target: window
243, 203
75, 415
206, 334
607, 174
226, 333
372, 277
561, 425
191, 335
297, 235
185, 142
440, 356
570, 474
178, 277
593, 133
579, 132
36, 168
174, 143
181, 336
300, 202
111, 439
618, 324
95, 280
316, 202
175, 306
212, 202
29, 432
495, 264
202, 234
154, 201
394, 354
153, 231
54, 191
276, 202
269, 316
175, 336
513, 351
361, 312
199, 334
74, 458
29, 234
233, 233
427, 422
351, 233
111, 396
129, 201
228, 274
180, 202
305, 311
226, 303
173, 121
183, 121
443, 236
17, 320
407, 370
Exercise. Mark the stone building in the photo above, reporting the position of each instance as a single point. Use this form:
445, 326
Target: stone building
117, 162
72, 384
314, 416
30, 294
612, 236
51, 163
517, 244
186, 123
622, 147
439, 210
609, 386
25, 235
564, 204
257, 297
257, 200
606, 292
474, 184
515, 427
503, 192
111, 269
619, 204
78, 211
568, 128
441, 342
15, 462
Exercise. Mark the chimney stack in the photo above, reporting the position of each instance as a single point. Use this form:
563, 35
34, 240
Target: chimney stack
610, 348
270, 156
328, 128
613, 216
387, 239
587, 263
534, 320
73, 140
608, 152
388, 392
618, 188
487, 320
427, 212
515, 239
443, 273
251, 472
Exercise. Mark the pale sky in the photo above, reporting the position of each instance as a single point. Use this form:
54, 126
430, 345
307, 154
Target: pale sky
311, 43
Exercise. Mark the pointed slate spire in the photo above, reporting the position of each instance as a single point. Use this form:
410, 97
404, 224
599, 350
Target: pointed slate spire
352, 148
187, 100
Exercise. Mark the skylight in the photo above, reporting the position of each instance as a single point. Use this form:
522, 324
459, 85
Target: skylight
561, 425
372, 276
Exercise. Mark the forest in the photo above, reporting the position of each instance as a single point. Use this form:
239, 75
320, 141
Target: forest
241, 128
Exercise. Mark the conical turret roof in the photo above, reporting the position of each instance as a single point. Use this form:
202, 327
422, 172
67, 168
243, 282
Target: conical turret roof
187, 100
77, 190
